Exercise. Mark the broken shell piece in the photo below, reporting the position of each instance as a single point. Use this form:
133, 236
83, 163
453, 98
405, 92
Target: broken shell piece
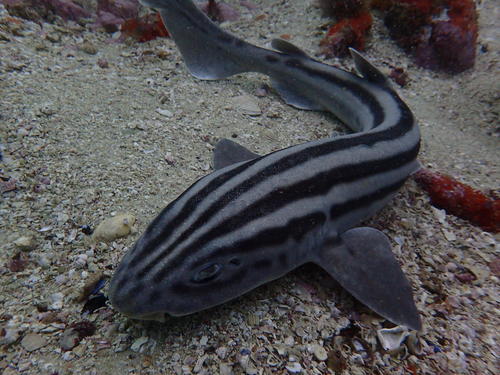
115, 227
392, 338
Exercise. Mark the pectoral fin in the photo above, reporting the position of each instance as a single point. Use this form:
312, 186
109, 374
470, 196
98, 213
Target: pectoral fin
362, 262
227, 152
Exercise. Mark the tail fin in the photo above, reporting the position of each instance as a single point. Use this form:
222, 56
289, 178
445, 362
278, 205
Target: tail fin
203, 45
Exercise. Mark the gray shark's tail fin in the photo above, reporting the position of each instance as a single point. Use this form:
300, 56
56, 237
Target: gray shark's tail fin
203, 45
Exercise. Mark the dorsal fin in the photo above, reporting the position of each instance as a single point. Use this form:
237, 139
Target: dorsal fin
227, 152
287, 47
367, 70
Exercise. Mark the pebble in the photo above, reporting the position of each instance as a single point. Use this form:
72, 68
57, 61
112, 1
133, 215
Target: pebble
69, 339
319, 352
8, 335
164, 112
137, 344
225, 369
115, 227
246, 105
88, 48
56, 301
221, 352
43, 261
294, 367
25, 243
199, 364
33, 341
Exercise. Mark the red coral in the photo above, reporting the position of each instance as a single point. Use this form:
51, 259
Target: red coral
349, 32
442, 34
144, 28
461, 200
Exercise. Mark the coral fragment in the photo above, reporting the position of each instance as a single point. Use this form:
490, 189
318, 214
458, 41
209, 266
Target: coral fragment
349, 32
461, 200
145, 28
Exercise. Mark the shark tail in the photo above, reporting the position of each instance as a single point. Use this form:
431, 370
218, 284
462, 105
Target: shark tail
206, 49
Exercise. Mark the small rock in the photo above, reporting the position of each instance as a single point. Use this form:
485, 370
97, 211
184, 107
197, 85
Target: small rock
116, 227
164, 112
43, 261
8, 336
199, 364
169, 158
294, 367
46, 109
103, 63
137, 344
88, 48
221, 352
246, 105
203, 340
225, 369
69, 339
53, 37
413, 344
56, 301
75, 333
319, 352
33, 341
25, 243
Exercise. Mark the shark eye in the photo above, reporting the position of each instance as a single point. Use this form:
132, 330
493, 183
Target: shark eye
207, 273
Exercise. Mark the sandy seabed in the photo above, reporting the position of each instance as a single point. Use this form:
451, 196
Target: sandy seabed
85, 143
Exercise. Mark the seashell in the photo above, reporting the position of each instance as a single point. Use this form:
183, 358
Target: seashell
392, 338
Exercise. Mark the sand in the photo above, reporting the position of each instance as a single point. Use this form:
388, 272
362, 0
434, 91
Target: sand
85, 143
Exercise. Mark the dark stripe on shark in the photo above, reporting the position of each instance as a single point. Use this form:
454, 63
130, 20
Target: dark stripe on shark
314, 186
186, 210
366, 97
296, 228
279, 166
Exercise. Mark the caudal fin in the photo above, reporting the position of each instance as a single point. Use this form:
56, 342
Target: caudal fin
203, 45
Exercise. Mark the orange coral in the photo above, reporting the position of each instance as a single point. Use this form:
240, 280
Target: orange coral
461, 200
349, 32
144, 28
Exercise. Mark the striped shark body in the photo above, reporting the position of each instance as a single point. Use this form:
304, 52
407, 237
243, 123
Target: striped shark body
255, 218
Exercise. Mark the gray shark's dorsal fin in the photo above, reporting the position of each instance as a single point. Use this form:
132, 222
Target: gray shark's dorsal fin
362, 262
367, 70
288, 48
227, 152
